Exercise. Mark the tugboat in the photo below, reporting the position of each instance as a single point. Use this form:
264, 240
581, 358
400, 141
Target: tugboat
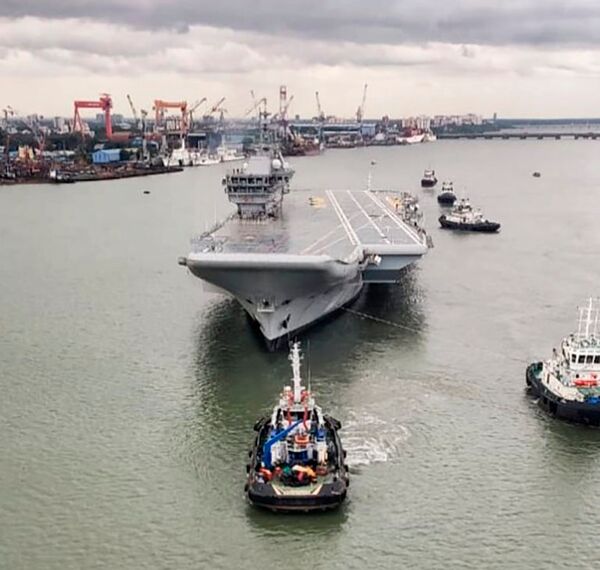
568, 384
447, 196
429, 180
464, 218
297, 460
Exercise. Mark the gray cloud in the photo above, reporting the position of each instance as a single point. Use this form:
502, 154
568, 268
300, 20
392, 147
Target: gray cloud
395, 22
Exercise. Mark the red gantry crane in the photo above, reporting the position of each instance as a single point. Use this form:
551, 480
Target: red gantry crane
159, 110
104, 103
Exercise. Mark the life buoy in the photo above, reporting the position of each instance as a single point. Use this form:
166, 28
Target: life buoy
586, 382
301, 439
266, 473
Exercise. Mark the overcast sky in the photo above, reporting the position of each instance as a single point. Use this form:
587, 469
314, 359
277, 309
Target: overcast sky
513, 57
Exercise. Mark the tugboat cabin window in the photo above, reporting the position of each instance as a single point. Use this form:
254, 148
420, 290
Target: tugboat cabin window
597, 359
581, 359
573, 358
590, 358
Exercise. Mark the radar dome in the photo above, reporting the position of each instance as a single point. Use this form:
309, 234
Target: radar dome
276, 164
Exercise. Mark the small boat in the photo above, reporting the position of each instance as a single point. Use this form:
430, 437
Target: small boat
226, 154
567, 385
537, 174
59, 177
297, 460
464, 218
429, 180
207, 160
447, 196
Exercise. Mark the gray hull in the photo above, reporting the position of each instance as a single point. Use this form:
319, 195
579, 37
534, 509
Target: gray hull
282, 293
311, 260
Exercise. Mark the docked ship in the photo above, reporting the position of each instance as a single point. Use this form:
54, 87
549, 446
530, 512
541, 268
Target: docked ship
464, 217
227, 154
297, 462
290, 267
567, 385
411, 136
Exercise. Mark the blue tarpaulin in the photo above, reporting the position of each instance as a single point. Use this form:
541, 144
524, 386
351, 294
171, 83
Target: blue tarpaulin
106, 155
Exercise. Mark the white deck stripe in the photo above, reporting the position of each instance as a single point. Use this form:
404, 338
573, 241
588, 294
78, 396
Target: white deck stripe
369, 219
399, 222
342, 216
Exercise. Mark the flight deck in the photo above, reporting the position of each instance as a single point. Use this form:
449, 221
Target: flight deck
336, 223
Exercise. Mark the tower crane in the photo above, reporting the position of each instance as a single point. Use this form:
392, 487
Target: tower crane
360, 112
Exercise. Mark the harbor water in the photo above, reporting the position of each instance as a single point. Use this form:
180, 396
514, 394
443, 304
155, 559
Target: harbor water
128, 394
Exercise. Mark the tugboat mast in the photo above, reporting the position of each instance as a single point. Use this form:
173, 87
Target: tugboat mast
588, 319
295, 360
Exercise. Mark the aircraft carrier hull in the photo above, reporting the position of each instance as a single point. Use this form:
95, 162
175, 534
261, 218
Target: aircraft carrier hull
283, 294
292, 271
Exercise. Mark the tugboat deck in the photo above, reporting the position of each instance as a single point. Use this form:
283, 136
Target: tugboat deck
330, 222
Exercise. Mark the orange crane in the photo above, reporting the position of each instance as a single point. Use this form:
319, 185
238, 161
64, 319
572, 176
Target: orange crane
159, 109
104, 103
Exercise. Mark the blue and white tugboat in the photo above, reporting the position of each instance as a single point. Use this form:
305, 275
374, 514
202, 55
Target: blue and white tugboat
567, 385
297, 460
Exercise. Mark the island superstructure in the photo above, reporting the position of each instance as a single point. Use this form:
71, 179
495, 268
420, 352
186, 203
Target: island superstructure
290, 266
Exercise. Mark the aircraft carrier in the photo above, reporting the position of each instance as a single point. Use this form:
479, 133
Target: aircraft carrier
290, 265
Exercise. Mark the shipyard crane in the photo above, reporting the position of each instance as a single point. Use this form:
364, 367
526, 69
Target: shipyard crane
144, 114
32, 123
256, 105
193, 108
284, 109
135, 115
8, 112
216, 107
159, 110
104, 103
360, 112
320, 114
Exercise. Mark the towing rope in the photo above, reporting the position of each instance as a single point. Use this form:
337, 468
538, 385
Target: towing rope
417, 331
